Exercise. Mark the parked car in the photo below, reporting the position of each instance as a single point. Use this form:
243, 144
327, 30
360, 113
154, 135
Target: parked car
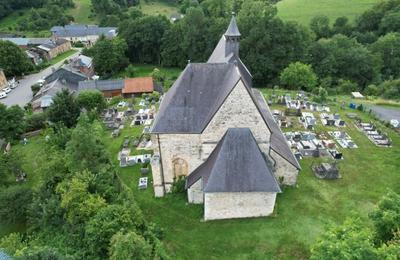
3, 94
7, 90
13, 85
40, 82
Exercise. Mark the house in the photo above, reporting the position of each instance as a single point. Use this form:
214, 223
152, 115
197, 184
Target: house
109, 88
121, 87
34, 57
63, 78
26, 43
53, 48
137, 86
212, 119
86, 34
83, 64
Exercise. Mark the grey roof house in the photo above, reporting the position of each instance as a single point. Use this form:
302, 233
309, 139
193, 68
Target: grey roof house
62, 78
83, 33
217, 131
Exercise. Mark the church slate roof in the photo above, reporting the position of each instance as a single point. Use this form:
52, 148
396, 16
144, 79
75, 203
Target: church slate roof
278, 140
236, 165
195, 97
233, 29
201, 89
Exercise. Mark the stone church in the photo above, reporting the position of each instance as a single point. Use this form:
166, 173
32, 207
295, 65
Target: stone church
217, 131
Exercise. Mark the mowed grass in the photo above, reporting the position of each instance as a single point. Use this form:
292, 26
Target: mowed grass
159, 7
301, 214
302, 11
82, 12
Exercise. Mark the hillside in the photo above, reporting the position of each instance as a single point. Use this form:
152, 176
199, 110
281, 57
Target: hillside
303, 11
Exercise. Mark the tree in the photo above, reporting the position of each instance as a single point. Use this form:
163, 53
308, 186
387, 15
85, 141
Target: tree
14, 202
91, 100
143, 37
351, 240
109, 55
13, 60
388, 49
346, 86
390, 89
85, 150
390, 23
320, 26
12, 243
299, 76
64, 109
42, 253
386, 218
129, 246
268, 44
107, 222
341, 57
79, 204
12, 123
342, 26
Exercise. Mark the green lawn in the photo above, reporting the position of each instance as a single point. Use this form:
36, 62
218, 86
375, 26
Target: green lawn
82, 13
62, 56
303, 11
159, 7
142, 70
9, 24
301, 213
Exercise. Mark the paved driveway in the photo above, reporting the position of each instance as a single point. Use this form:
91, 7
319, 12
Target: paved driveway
22, 94
385, 113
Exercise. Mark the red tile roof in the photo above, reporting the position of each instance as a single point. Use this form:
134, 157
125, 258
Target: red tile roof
138, 85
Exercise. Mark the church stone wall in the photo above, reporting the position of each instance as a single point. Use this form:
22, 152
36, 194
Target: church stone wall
285, 172
195, 193
238, 111
224, 205
179, 146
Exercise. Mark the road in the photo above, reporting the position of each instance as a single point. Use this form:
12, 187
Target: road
385, 113
22, 94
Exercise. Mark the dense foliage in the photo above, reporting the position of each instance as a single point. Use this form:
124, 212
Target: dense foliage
80, 209
354, 240
13, 60
344, 56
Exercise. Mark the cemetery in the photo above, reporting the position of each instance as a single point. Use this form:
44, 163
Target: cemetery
343, 139
374, 134
309, 144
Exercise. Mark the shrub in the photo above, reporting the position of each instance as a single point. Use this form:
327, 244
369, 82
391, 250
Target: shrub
36, 121
35, 89
346, 86
179, 185
371, 90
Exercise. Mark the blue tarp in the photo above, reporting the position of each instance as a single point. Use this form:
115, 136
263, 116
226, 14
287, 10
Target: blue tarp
353, 105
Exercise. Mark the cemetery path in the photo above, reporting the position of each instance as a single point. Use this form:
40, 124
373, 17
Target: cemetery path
22, 94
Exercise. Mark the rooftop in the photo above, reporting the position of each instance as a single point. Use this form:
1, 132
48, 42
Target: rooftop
80, 30
138, 85
235, 165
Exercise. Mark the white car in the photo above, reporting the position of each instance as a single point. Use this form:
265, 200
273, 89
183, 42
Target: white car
40, 82
7, 90
13, 85
3, 94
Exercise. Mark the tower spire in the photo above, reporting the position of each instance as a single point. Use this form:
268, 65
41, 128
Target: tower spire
233, 30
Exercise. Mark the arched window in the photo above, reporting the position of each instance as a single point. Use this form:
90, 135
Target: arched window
180, 167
